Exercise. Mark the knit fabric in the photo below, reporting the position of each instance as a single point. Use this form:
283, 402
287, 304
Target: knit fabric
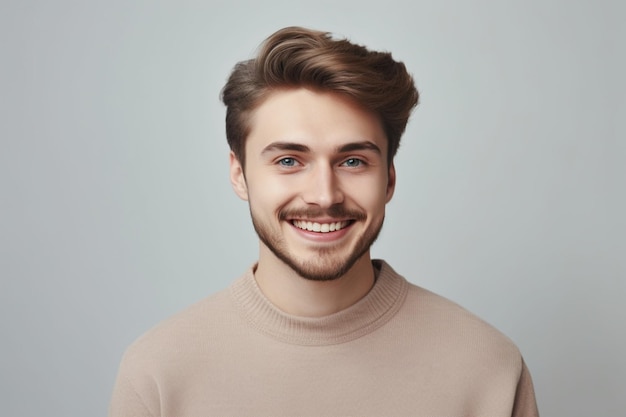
399, 351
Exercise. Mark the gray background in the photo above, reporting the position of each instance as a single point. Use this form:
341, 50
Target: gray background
116, 210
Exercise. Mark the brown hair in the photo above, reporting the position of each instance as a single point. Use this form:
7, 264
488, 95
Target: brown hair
297, 57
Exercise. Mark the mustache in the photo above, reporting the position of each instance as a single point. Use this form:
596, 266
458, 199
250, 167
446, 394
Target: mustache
337, 212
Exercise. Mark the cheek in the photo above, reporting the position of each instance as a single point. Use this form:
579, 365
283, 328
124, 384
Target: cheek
270, 193
371, 187
370, 195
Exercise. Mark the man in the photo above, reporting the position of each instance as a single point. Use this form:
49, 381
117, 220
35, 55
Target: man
316, 327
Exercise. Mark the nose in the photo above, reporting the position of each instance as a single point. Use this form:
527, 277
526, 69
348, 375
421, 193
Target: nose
322, 188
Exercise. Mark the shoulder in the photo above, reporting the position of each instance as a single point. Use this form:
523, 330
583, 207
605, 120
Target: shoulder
451, 319
182, 335
449, 329
458, 352
168, 355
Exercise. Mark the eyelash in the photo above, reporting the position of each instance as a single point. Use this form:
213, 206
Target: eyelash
359, 162
282, 162
289, 162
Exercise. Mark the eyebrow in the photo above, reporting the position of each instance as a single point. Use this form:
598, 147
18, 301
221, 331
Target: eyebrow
360, 146
285, 146
297, 147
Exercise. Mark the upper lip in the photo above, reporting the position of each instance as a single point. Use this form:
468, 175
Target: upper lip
324, 220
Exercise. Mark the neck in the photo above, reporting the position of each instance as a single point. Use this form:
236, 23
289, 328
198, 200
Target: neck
295, 295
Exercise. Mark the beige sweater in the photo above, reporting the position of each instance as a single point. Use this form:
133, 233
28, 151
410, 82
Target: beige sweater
400, 351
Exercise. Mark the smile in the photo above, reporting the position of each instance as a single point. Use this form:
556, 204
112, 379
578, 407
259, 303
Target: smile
320, 227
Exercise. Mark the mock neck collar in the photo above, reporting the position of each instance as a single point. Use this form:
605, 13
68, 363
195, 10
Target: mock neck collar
366, 315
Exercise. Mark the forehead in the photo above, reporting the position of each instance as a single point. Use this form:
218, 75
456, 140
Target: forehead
316, 119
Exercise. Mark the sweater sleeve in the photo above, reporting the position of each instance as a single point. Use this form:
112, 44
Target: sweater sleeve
126, 401
525, 403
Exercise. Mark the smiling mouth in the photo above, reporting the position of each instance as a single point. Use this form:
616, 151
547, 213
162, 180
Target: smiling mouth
320, 227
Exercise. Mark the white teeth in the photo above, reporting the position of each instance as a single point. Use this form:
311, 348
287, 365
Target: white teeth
319, 227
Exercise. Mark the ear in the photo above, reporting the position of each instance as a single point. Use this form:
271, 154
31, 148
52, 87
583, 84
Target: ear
391, 182
237, 178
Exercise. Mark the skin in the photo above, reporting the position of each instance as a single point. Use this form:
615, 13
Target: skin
318, 157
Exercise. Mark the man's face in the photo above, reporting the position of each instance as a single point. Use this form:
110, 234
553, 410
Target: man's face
317, 181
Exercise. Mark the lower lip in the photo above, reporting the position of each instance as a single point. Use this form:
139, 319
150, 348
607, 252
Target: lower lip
322, 237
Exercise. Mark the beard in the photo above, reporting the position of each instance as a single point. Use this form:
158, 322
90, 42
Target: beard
330, 264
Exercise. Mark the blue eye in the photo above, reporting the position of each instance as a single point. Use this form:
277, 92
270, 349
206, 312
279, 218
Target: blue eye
287, 162
353, 162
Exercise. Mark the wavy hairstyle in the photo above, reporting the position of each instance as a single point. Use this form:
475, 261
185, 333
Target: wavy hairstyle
297, 57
